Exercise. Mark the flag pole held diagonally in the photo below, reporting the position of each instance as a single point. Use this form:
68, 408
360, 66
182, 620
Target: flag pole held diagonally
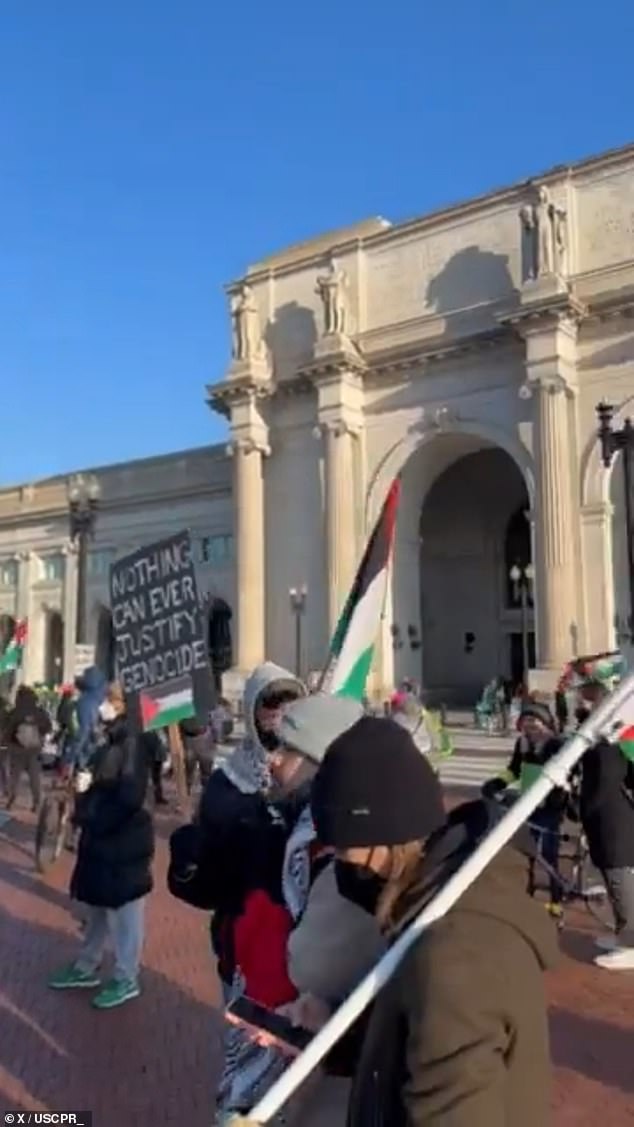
614, 714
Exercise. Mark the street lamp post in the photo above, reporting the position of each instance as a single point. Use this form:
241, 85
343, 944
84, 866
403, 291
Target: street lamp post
522, 579
612, 442
83, 502
298, 598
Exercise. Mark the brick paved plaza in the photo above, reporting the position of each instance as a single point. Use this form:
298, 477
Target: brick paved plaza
155, 1060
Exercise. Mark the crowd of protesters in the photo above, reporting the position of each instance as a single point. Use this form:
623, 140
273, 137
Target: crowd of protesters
314, 845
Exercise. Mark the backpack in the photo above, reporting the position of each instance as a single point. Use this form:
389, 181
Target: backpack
28, 736
186, 877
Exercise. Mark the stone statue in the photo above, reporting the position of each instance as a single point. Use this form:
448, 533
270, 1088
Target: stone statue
330, 287
545, 233
247, 341
560, 218
544, 226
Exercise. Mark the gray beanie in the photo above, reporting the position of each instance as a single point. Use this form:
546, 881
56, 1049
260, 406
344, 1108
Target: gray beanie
310, 725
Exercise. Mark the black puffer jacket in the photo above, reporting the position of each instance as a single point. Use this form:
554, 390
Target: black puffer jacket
242, 847
116, 843
607, 806
531, 755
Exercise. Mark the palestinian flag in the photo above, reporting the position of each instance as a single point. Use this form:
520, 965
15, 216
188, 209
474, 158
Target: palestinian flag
352, 646
626, 742
12, 657
160, 711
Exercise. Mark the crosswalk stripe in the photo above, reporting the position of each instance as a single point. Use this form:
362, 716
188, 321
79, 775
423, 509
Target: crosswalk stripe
471, 771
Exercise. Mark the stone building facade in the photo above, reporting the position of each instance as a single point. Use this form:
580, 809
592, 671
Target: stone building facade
466, 351
140, 501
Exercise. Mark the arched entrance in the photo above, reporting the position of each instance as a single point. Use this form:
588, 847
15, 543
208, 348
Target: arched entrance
53, 647
623, 611
473, 530
459, 617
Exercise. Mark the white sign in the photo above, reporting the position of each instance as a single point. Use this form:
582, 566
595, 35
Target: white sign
84, 658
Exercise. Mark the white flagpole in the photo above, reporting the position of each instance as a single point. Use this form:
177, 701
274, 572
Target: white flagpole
608, 720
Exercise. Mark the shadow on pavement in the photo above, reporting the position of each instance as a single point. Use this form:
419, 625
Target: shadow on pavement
594, 1048
154, 1060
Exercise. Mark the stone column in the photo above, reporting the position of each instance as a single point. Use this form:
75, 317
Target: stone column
23, 610
556, 580
341, 553
596, 528
248, 502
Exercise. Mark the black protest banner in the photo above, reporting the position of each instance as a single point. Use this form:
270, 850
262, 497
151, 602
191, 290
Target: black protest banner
161, 653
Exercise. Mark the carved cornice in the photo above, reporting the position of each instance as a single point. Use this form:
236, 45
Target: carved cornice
227, 394
335, 356
300, 384
611, 305
435, 352
546, 311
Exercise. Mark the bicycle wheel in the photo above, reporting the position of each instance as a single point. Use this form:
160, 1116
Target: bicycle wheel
48, 833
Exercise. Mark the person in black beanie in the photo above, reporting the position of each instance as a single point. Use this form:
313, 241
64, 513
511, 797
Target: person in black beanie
459, 1035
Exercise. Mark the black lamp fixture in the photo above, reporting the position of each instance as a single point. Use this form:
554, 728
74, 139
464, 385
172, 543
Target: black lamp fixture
84, 493
298, 598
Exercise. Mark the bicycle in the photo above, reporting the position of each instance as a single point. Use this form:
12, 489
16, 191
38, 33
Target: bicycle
54, 823
584, 884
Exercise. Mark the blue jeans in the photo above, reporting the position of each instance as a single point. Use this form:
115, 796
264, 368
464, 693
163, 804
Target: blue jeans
125, 928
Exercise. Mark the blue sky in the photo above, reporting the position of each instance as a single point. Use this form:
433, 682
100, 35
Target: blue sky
151, 150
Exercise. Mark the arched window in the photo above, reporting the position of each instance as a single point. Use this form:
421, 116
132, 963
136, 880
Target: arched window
54, 648
517, 553
219, 617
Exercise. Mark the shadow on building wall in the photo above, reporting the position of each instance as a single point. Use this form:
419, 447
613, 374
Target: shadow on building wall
611, 356
291, 337
470, 279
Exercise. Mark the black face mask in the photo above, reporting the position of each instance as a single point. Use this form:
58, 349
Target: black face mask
359, 884
582, 713
268, 738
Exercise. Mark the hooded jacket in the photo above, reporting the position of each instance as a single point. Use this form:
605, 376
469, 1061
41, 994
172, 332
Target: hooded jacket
459, 1036
92, 692
26, 710
242, 848
116, 842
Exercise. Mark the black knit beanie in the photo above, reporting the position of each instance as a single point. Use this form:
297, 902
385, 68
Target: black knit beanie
374, 787
538, 711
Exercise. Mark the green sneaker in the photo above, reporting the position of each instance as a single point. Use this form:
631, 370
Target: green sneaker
116, 994
72, 978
